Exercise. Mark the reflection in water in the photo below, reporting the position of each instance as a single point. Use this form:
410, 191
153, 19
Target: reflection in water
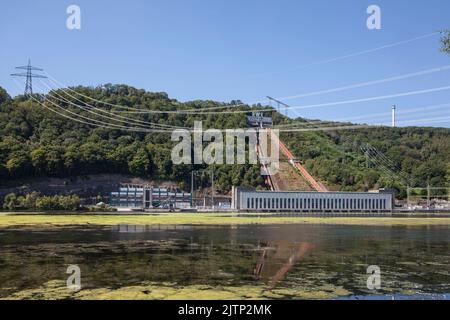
272, 254
413, 260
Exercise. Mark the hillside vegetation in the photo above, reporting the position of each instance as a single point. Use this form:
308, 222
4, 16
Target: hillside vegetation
35, 142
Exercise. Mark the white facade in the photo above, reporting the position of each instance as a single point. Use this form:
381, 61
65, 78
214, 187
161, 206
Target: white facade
245, 200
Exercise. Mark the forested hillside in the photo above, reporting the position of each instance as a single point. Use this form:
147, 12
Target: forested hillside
376, 157
35, 142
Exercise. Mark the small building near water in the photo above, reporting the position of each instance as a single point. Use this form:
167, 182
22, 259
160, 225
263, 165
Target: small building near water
148, 197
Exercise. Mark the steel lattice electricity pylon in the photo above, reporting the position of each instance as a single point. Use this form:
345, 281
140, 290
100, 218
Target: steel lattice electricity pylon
279, 103
29, 76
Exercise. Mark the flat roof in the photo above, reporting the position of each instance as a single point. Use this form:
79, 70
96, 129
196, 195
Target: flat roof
315, 192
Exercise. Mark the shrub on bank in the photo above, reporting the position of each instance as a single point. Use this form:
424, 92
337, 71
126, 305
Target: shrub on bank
33, 201
65, 203
100, 208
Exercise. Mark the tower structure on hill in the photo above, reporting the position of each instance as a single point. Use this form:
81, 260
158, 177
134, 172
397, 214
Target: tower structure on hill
29, 75
394, 124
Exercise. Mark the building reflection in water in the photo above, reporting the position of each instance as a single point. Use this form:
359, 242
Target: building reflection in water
277, 259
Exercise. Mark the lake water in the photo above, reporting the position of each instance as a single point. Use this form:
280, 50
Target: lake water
332, 259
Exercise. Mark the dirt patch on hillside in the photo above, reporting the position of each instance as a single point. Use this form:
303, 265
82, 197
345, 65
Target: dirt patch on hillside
289, 179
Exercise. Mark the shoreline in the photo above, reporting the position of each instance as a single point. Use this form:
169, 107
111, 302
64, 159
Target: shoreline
218, 219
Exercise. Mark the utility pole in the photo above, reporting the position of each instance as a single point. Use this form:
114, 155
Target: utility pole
428, 196
29, 75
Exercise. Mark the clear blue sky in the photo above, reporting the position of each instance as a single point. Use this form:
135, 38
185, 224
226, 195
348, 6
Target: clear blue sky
235, 49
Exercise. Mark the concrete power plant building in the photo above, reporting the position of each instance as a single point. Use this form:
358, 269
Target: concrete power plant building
278, 201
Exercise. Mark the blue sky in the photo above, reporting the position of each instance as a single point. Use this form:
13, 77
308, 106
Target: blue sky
234, 49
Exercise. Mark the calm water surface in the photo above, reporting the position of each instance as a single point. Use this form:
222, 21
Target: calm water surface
413, 260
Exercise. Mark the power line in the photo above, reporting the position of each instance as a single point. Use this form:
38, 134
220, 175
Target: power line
396, 95
369, 83
131, 120
270, 99
134, 129
327, 124
279, 103
136, 110
99, 122
339, 127
359, 53
328, 104
381, 115
364, 120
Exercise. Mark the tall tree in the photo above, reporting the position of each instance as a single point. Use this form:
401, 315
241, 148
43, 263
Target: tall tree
140, 164
4, 96
445, 40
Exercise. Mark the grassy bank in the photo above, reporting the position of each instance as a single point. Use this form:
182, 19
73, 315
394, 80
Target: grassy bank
57, 290
203, 219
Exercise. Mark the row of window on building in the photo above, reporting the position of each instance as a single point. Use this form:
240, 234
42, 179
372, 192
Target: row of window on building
148, 197
306, 204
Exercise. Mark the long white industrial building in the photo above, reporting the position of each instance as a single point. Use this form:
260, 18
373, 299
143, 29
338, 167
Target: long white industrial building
278, 201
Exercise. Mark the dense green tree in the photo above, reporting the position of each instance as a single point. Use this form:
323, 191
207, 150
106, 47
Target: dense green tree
72, 161
18, 164
4, 96
140, 165
161, 156
38, 160
29, 201
446, 42
67, 203
10, 202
